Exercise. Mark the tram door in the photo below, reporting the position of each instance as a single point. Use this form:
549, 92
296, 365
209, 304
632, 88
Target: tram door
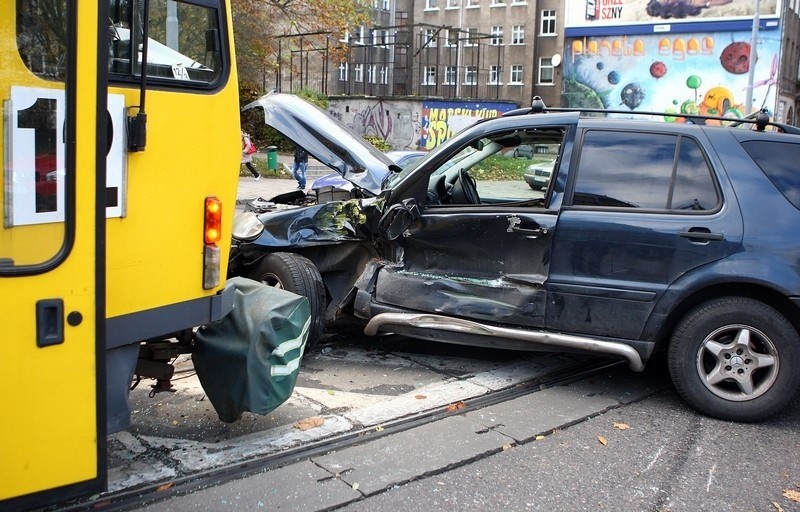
52, 432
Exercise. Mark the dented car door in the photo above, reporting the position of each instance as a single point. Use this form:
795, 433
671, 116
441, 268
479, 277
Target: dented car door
473, 263
477, 250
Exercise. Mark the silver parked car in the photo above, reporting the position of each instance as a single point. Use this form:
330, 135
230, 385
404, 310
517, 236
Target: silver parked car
537, 176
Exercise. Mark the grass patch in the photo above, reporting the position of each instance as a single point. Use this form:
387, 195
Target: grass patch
503, 168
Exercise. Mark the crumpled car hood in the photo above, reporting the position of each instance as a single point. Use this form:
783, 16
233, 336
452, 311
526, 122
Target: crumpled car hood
319, 224
326, 139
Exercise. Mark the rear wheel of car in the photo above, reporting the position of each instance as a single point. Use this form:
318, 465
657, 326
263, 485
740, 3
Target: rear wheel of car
736, 359
297, 274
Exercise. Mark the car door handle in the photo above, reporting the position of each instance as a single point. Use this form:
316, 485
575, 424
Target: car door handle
701, 235
530, 233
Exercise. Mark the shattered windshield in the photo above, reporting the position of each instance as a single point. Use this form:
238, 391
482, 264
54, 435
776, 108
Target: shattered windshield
394, 178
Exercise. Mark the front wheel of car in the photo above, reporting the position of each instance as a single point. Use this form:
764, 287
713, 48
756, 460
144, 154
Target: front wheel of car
297, 274
736, 359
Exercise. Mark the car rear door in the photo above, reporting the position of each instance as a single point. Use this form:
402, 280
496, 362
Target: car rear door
642, 210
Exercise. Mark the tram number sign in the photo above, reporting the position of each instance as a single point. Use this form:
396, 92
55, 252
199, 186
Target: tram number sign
34, 163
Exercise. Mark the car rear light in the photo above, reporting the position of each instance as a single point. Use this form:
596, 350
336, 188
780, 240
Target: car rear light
212, 233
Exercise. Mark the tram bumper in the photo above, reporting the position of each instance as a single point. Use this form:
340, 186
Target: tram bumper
249, 360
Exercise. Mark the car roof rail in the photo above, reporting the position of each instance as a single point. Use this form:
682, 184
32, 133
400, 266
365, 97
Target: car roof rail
760, 119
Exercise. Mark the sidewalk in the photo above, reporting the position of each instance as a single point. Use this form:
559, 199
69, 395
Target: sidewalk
266, 187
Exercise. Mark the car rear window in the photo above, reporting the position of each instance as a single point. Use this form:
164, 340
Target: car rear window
778, 160
648, 171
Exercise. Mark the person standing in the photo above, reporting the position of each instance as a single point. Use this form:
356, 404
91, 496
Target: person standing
247, 155
300, 166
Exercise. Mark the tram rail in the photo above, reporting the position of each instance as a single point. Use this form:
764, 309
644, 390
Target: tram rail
135, 497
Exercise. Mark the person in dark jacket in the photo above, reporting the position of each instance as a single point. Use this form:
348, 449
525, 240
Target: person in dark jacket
300, 166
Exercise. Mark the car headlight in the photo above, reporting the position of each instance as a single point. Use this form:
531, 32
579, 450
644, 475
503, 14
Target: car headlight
247, 226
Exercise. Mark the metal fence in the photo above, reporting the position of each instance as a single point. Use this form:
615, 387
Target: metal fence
428, 61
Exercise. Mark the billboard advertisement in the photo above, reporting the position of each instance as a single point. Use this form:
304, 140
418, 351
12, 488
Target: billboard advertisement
700, 73
600, 13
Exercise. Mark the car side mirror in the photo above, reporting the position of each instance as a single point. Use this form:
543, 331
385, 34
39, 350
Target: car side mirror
397, 219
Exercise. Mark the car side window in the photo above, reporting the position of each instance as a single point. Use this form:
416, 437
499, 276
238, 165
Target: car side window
694, 187
509, 167
649, 171
778, 160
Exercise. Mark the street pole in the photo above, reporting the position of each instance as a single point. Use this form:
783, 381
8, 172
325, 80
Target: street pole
753, 57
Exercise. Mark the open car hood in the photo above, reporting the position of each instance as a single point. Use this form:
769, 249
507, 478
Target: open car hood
326, 139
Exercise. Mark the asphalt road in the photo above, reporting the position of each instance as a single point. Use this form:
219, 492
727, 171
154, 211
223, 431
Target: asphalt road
648, 453
658, 456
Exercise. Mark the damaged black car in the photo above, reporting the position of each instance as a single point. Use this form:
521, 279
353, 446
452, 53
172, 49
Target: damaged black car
638, 244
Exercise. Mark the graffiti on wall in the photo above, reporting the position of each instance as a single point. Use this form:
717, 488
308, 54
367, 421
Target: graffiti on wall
700, 73
375, 120
413, 124
395, 122
443, 119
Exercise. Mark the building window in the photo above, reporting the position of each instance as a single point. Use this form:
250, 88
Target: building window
518, 34
431, 4
498, 3
519, 2
450, 38
548, 27
358, 72
494, 75
451, 4
472, 3
361, 35
516, 74
430, 38
471, 75
429, 75
472, 37
343, 71
384, 75
380, 37
545, 71
497, 36
450, 75
372, 74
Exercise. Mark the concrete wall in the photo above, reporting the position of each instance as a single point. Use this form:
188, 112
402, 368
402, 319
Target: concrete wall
412, 123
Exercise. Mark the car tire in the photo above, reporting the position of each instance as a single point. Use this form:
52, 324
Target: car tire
736, 359
297, 274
